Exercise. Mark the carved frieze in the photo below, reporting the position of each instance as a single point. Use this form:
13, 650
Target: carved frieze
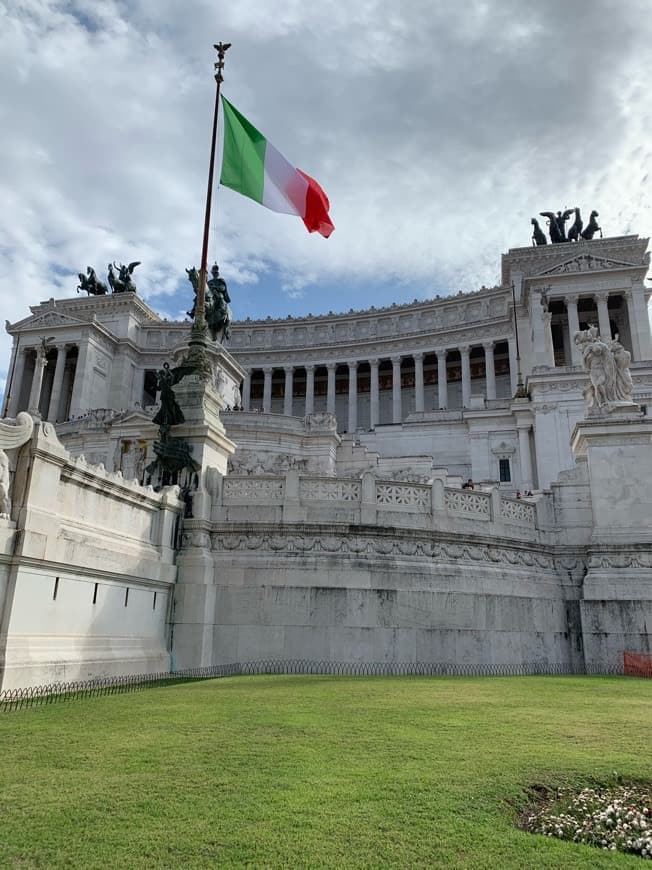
586, 263
442, 315
380, 545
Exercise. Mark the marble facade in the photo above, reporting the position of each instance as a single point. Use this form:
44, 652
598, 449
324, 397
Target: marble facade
330, 521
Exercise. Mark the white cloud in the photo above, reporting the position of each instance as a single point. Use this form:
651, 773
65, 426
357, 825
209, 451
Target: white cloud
437, 130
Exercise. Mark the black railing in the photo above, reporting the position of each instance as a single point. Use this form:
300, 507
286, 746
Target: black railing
15, 699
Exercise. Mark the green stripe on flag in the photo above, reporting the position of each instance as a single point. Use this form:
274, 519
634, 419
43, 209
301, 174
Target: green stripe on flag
243, 160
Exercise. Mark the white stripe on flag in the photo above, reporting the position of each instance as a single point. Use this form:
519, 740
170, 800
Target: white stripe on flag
284, 189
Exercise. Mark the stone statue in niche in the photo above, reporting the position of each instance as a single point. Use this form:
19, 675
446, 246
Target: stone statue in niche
608, 368
11, 436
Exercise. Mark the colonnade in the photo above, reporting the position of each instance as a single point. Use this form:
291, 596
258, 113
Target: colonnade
67, 375
374, 363
638, 337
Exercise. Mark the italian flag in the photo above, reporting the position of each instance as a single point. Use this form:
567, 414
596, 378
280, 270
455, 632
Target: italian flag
252, 166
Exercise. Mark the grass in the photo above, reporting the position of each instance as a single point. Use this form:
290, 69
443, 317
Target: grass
309, 771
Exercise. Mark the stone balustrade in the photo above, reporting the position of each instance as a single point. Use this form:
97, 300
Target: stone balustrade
371, 500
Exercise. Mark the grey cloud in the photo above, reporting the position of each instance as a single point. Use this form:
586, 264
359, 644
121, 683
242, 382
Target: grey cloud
437, 130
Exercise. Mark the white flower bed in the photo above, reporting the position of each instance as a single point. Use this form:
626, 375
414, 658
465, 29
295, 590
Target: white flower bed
617, 818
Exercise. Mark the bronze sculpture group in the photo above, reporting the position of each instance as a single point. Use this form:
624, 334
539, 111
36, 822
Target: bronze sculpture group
557, 227
172, 455
217, 311
119, 278
173, 462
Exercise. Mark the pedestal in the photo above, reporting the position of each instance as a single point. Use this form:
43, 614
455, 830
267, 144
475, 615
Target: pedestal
617, 590
192, 645
203, 429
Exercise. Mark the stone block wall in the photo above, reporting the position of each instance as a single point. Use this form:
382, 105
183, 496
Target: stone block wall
86, 570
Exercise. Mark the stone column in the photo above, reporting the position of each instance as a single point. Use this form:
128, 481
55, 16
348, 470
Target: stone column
37, 382
66, 389
310, 390
55, 395
603, 315
287, 393
138, 387
490, 369
418, 382
246, 391
525, 456
573, 327
353, 396
374, 399
267, 389
639, 324
540, 317
330, 387
442, 381
17, 384
466, 376
396, 389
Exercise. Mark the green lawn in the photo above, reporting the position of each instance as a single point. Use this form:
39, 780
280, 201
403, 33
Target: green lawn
309, 771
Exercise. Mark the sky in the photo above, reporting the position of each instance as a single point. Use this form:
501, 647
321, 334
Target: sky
437, 129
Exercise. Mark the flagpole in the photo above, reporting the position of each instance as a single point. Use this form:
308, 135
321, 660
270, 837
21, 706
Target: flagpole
198, 330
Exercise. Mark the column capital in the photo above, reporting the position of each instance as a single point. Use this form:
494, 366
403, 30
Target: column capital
601, 295
396, 360
331, 366
464, 349
374, 362
571, 299
267, 370
288, 369
488, 345
352, 364
441, 352
310, 367
418, 355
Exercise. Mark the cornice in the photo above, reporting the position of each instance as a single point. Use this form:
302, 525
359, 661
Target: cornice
84, 307
358, 351
442, 318
533, 261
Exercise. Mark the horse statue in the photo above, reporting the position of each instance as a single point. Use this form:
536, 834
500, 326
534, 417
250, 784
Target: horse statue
217, 310
538, 236
122, 282
91, 284
556, 224
592, 227
575, 231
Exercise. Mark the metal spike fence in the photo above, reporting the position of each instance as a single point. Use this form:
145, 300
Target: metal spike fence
51, 693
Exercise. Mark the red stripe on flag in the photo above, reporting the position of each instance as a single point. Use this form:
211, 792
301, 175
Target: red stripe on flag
316, 218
